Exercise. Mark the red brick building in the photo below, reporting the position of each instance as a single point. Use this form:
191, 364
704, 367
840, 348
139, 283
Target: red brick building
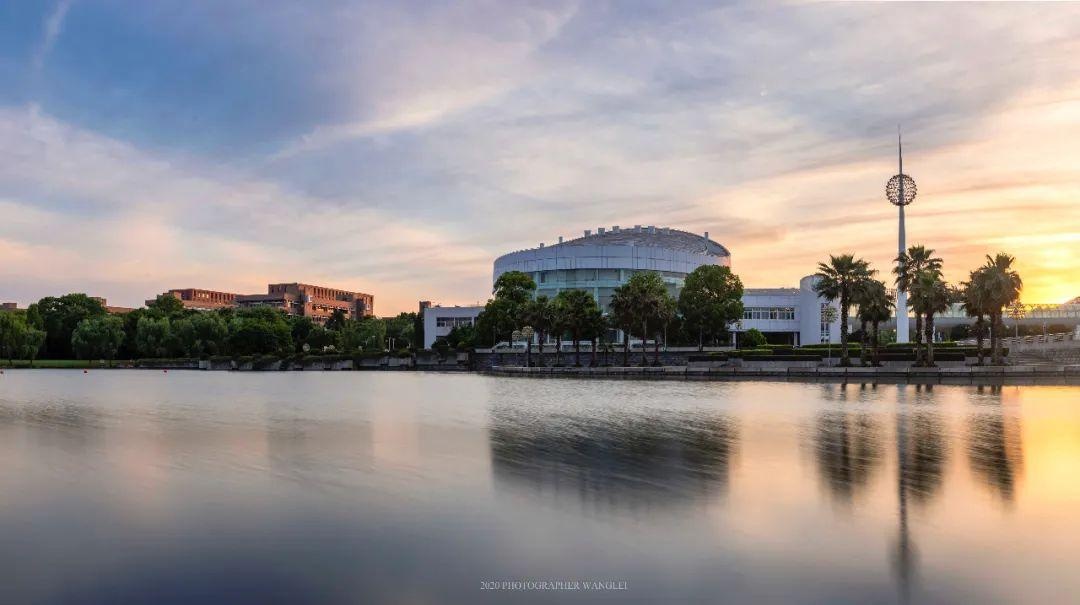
316, 302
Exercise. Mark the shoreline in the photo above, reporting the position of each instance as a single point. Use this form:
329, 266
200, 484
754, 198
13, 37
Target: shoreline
1066, 375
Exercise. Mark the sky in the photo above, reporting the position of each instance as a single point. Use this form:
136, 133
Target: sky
397, 148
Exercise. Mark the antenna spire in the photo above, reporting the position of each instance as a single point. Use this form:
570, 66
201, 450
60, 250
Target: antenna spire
900, 148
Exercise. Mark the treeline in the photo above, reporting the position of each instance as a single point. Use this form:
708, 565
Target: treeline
989, 291
77, 326
708, 304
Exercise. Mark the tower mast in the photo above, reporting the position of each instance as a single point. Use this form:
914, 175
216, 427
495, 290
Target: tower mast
901, 296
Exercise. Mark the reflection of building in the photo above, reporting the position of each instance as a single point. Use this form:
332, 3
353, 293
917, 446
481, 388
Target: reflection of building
602, 261
622, 462
438, 321
317, 302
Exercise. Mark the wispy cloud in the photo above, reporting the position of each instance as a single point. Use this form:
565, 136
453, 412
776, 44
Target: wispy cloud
51, 30
400, 147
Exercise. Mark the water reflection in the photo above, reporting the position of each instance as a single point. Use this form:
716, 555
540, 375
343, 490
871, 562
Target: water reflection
617, 462
995, 452
849, 449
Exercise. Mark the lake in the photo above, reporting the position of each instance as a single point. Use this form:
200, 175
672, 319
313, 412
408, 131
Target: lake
130, 486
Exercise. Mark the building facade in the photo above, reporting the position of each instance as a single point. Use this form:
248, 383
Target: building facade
202, 300
316, 302
439, 320
602, 261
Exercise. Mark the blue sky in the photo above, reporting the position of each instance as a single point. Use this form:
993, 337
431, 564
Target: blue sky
397, 148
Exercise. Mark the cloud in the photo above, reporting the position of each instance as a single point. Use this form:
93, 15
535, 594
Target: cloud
399, 148
53, 26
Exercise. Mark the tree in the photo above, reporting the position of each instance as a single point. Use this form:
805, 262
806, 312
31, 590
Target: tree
166, 305
203, 334
648, 302
930, 295
875, 307
595, 329
622, 315
839, 279
337, 320
753, 338
504, 313
574, 309
260, 331
367, 334
710, 301
666, 310
153, 336
319, 339
98, 337
540, 314
400, 329
976, 304
1001, 286
462, 338
58, 316
12, 335
32, 343
909, 264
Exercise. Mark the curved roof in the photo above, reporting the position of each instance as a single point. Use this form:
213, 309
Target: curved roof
659, 237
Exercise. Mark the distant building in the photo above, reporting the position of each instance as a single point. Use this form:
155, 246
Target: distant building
602, 261
316, 302
9, 306
109, 309
202, 300
438, 320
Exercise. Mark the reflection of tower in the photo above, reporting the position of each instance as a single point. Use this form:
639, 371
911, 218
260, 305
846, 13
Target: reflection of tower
900, 190
905, 554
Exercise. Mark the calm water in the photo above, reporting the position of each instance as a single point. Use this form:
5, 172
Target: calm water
137, 486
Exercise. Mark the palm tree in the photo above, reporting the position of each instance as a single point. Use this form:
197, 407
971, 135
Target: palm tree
539, 313
665, 312
909, 264
1001, 285
840, 279
930, 295
622, 316
975, 305
875, 306
575, 310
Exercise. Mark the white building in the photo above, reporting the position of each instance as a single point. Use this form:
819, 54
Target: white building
599, 262
438, 321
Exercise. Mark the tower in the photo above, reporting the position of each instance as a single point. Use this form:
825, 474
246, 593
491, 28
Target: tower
900, 191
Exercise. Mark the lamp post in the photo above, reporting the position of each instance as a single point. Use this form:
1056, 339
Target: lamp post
900, 191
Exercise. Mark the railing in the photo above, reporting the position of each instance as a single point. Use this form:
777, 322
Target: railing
1040, 339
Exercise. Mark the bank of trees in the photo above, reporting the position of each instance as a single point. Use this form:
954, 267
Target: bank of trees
76, 326
643, 308
989, 291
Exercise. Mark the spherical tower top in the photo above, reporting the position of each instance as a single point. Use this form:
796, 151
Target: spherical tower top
900, 190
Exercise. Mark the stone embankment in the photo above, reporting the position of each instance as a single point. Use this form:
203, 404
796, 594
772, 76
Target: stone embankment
1048, 374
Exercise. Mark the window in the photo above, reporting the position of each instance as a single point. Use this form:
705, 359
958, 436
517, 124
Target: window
781, 313
452, 322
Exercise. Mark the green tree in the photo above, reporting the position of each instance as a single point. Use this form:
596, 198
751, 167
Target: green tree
875, 307
1001, 286
976, 304
710, 301
260, 331
58, 316
622, 316
840, 279
336, 321
462, 338
320, 339
647, 301
574, 309
98, 338
200, 335
13, 330
540, 314
910, 264
166, 305
367, 334
930, 295
752, 339
400, 328
153, 336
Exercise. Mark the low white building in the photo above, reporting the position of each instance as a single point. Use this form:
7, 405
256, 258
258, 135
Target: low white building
789, 315
438, 321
